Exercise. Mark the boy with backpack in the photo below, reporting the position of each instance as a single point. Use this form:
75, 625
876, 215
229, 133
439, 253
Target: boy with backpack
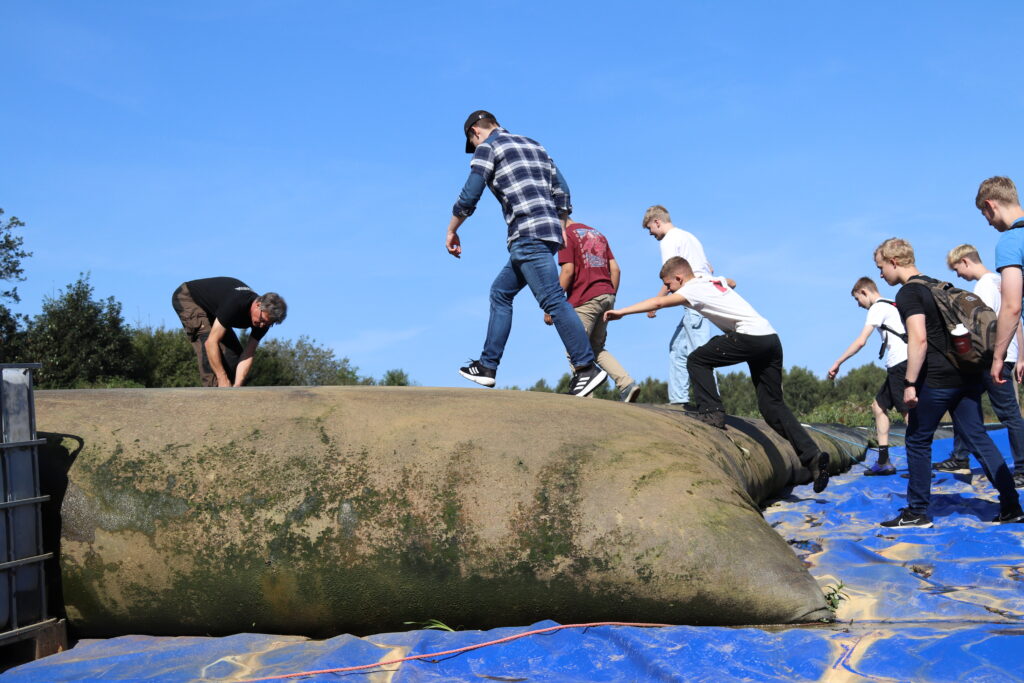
882, 316
943, 374
965, 262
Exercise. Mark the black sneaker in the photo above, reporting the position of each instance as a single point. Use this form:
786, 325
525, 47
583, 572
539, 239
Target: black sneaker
715, 418
1010, 516
586, 380
476, 372
953, 464
821, 476
1018, 480
629, 393
906, 518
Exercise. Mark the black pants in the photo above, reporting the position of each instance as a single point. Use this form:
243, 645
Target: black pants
763, 354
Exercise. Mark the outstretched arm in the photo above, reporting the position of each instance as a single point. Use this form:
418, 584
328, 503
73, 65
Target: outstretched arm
851, 350
245, 362
653, 304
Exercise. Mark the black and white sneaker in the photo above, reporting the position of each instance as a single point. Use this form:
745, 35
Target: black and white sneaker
586, 380
906, 518
479, 373
1015, 516
953, 464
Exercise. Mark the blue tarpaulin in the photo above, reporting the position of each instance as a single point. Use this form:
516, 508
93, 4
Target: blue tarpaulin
940, 604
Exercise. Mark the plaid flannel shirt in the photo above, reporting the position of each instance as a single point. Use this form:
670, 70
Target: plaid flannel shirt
526, 182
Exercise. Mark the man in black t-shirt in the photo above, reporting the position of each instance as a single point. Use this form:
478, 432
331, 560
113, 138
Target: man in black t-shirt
933, 387
209, 309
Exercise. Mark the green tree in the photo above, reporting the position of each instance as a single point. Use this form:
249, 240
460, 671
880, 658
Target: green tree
300, 363
738, 394
803, 390
12, 325
79, 341
164, 358
541, 385
395, 378
11, 254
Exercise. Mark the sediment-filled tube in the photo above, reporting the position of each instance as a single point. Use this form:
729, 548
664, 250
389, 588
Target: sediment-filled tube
318, 511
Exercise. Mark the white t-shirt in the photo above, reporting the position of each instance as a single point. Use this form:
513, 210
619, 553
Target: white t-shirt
987, 288
885, 313
678, 242
716, 301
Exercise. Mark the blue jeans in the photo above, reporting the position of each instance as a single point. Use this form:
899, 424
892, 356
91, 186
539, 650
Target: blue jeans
964, 405
1004, 405
694, 331
531, 263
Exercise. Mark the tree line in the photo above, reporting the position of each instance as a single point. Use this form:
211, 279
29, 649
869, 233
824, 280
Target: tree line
84, 342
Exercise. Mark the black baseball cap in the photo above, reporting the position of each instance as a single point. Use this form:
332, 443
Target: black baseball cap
473, 118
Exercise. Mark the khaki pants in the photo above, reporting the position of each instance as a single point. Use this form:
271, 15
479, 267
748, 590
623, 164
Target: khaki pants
591, 315
197, 326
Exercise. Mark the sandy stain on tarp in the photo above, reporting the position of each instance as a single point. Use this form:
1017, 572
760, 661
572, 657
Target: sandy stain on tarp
250, 665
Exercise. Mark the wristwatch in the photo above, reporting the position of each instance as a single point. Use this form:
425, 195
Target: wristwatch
907, 383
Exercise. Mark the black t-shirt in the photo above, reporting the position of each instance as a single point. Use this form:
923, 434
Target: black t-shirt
226, 299
915, 298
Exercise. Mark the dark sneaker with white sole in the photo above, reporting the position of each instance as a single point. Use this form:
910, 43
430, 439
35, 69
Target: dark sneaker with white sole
906, 519
953, 464
586, 379
629, 393
1018, 480
479, 373
821, 477
1010, 517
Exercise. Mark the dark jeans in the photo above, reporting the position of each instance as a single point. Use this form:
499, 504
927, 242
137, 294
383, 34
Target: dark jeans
763, 355
964, 406
531, 264
1004, 405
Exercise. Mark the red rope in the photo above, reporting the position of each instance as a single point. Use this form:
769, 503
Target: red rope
451, 652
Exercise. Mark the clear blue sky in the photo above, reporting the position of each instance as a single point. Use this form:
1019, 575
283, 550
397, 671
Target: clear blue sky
315, 148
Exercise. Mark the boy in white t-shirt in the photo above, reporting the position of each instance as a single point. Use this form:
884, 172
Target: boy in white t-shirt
748, 338
885, 318
965, 262
693, 330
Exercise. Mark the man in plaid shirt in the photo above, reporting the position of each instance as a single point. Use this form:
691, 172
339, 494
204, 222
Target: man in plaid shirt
535, 200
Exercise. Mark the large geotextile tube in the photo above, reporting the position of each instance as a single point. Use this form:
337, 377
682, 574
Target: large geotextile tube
319, 511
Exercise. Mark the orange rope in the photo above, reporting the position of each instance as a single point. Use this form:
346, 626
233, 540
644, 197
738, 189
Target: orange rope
451, 652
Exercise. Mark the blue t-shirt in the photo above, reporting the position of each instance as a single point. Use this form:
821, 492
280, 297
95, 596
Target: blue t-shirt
1010, 247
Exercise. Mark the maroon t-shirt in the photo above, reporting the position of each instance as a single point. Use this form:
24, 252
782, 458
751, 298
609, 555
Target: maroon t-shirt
588, 251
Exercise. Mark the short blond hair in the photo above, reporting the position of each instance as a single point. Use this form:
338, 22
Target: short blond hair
964, 251
897, 249
674, 264
998, 189
656, 212
864, 283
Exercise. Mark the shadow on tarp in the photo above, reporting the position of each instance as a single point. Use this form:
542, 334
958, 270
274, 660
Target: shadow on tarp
940, 604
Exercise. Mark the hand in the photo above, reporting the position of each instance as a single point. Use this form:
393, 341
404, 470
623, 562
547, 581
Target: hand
997, 371
223, 383
1018, 372
548, 320
652, 314
833, 371
910, 397
453, 244
612, 315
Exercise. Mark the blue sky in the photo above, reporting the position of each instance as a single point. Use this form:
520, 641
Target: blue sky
315, 148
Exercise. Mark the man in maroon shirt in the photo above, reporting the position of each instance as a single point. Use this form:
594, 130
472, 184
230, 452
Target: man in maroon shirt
590, 278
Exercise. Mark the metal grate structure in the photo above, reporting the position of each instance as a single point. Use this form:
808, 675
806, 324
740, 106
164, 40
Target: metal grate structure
24, 613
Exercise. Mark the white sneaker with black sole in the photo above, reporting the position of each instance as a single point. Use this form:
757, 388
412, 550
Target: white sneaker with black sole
479, 373
586, 379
